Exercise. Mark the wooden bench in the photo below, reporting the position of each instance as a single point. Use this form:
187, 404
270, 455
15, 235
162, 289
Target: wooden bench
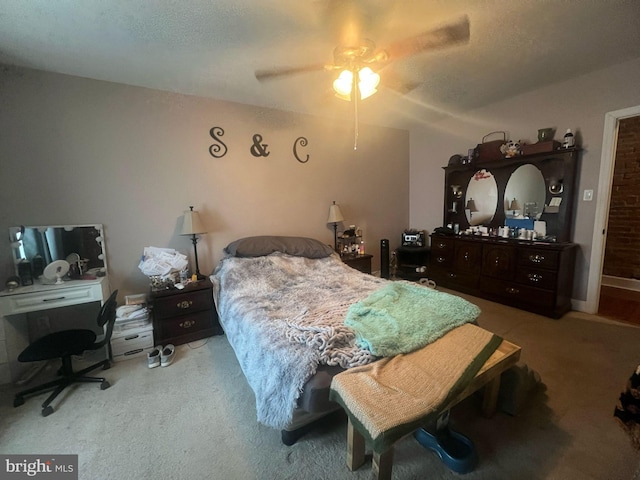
505, 356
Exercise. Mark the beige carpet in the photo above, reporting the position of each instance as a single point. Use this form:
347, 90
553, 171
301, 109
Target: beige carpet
196, 418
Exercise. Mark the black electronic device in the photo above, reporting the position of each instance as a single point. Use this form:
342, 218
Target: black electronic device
413, 238
25, 273
384, 258
444, 231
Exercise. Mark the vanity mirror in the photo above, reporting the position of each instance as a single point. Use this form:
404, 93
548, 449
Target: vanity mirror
481, 198
526, 192
82, 246
541, 184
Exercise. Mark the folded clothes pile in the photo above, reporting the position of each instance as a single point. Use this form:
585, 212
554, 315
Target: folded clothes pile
131, 316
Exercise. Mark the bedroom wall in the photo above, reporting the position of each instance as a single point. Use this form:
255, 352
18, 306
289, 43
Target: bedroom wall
76, 150
579, 104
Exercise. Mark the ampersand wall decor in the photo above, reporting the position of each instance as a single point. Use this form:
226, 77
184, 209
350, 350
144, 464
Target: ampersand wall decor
259, 149
303, 142
216, 148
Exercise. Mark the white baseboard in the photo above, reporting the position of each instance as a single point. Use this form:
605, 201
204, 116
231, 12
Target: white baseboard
580, 306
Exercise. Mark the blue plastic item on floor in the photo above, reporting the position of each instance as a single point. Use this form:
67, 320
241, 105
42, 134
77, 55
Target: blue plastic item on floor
455, 450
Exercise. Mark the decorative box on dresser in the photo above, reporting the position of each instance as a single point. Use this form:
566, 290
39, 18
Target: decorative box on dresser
533, 276
182, 316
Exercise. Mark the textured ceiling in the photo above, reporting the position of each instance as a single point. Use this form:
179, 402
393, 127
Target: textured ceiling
212, 48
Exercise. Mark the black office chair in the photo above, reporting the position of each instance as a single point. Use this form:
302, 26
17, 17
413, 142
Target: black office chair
63, 345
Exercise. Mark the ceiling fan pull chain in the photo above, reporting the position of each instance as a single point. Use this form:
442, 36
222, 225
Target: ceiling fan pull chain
356, 93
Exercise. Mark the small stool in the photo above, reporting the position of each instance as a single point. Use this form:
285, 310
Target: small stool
363, 400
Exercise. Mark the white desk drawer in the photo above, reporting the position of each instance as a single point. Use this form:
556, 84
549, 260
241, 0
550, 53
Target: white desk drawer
53, 299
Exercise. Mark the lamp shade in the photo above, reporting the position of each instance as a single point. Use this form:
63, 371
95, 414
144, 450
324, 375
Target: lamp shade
471, 205
192, 225
335, 215
514, 205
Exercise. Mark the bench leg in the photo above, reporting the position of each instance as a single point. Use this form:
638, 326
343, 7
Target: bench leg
355, 448
382, 465
490, 397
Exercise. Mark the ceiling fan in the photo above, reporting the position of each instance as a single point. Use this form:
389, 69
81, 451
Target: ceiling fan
360, 62
363, 53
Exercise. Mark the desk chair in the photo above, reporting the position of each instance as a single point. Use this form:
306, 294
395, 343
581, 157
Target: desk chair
63, 345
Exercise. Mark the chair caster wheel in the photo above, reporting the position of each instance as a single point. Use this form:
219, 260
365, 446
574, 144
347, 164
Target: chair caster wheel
104, 385
17, 401
46, 411
106, 366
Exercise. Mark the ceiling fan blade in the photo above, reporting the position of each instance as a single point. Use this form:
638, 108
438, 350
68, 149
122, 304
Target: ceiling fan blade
398, 84
451, 34
275, 73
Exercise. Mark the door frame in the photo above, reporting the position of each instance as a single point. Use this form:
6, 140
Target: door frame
605, 182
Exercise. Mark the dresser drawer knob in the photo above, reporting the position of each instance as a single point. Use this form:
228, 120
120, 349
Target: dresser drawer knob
512, 291
537, 258
184, 304
534, 277
188, 323
441, 259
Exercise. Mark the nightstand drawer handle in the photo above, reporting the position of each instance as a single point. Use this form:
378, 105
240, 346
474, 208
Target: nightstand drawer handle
185, 304
188, 323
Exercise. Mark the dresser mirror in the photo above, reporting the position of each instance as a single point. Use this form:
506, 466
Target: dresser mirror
542, 185
525, 193
82, 245
481, 200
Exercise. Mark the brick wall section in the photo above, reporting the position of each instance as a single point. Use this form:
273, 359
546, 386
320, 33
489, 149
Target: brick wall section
622, 251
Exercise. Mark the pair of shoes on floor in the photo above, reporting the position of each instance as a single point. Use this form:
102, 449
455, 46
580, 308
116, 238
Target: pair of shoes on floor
161, 356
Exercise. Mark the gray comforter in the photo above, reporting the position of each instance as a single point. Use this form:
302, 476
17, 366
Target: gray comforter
283, 316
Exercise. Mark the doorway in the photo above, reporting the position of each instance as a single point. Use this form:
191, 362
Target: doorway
616, 302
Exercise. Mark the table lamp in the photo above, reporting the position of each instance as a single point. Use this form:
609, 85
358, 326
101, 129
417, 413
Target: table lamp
335, 217
193, 226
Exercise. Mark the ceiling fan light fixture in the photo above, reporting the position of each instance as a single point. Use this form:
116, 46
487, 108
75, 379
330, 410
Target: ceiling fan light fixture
369, 80
342, 84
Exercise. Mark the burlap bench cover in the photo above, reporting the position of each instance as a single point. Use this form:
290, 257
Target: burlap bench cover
394, 396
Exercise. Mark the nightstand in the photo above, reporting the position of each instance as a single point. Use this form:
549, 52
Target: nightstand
182, 316
359, 262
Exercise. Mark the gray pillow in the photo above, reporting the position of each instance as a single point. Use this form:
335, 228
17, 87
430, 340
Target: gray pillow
266, 244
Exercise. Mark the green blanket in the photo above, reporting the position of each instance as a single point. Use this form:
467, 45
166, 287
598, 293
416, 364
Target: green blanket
402, 317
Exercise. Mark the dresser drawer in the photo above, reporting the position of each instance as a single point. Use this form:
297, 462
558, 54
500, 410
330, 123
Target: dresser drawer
183, 304
186, 324
539, 258
441, 245
517, 293
533, 277
129, 343
452, 279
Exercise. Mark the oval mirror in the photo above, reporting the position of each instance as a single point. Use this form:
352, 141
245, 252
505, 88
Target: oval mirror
481, 198
525, 193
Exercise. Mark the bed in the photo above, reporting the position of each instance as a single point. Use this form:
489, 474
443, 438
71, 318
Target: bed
296, 315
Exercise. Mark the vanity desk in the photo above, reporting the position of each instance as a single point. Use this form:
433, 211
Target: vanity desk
39, 297
531, 265
74, 303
